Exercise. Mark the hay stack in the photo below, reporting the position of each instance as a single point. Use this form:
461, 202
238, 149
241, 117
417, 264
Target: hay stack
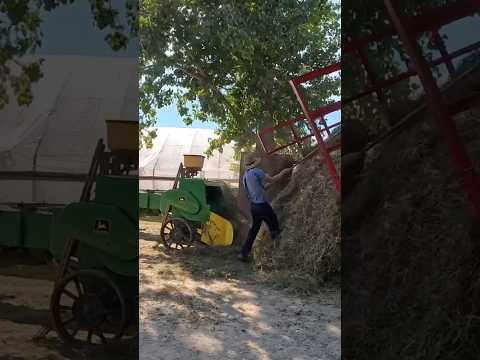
309, 216
413, 270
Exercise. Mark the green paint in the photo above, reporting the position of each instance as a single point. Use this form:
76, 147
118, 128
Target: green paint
106, 228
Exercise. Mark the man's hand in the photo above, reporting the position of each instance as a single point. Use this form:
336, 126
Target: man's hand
287, 171
279, 176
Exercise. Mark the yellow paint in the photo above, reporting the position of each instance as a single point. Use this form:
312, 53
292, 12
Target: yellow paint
218, 231
193, 161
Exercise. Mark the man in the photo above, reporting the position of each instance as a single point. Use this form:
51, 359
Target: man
255, 180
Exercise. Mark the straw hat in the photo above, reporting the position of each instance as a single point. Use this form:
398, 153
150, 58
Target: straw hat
251, 161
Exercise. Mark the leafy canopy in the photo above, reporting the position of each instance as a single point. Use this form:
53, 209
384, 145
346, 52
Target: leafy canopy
386, 57
231, 61
20, 35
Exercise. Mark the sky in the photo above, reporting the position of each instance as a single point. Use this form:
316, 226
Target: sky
459, 35
79, 36
69, 30
169, 117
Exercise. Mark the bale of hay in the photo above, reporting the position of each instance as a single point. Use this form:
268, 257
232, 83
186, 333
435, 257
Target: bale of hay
309, 214
354, 136
352, 165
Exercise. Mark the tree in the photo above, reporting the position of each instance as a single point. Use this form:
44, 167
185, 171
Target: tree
231, 60
20, 35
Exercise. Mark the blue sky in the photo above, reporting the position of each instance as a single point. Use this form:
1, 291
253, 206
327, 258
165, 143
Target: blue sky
69, 30
460, 34
79, 36
169, 117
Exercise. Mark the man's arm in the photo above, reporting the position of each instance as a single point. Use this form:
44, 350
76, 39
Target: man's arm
272, 179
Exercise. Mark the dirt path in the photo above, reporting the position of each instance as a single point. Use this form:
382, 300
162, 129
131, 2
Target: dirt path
204, 304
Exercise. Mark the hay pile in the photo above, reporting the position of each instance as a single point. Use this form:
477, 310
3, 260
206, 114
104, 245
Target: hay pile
411, 280
309, 216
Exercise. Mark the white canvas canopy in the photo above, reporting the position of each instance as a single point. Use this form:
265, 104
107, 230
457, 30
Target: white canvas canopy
164, 158
59, 130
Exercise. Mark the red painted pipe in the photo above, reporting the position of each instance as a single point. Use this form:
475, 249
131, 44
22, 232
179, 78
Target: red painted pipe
323, 148
420, 23
438, 107
403, 76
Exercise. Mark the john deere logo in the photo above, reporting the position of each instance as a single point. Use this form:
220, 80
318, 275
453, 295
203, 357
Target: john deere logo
102, 226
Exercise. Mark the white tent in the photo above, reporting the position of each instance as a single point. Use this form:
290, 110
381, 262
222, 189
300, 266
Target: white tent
164, 158
59, 130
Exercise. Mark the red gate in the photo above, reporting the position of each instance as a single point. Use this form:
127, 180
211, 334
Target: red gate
408, 29
310, 117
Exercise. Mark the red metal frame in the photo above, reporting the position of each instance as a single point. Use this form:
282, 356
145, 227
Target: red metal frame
408, 74
438, 106
325, 110
408, 29
310, 117
430, 22
434, 19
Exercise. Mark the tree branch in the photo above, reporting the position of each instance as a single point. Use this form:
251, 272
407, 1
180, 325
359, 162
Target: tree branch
206, 83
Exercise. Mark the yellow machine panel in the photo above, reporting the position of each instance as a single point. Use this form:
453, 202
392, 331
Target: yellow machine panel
218, 231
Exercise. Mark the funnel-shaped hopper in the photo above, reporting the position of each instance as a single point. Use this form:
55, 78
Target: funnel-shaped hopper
193, 162
122, 135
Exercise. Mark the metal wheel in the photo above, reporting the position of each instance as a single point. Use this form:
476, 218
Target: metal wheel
88, 307
73, 265
176, 233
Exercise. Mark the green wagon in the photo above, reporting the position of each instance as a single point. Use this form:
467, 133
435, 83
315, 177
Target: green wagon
94, 243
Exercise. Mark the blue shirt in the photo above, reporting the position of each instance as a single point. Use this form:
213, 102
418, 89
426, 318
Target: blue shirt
254, 182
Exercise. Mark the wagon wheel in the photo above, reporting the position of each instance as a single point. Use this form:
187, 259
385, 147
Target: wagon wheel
177, 234
73, 265
88, 307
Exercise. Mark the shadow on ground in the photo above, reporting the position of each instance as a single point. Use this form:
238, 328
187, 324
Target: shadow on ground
203, 303
25, 289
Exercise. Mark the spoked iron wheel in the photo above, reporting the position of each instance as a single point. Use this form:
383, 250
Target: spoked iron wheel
88, 307
177, 234
72, 266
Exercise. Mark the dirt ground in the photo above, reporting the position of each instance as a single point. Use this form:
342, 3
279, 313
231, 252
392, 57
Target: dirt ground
25, 288
205, 304
201, 304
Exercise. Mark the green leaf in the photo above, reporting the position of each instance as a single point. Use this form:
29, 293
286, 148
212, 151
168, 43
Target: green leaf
232, 60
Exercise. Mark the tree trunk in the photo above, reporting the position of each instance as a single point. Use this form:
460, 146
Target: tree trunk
268, 142
268, 139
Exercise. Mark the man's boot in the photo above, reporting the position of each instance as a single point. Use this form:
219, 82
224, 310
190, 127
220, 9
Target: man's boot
242, 258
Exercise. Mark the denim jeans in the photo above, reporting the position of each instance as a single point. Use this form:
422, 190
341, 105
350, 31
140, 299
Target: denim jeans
260, 212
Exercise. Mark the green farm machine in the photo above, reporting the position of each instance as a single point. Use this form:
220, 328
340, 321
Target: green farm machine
93, 242
194, 209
